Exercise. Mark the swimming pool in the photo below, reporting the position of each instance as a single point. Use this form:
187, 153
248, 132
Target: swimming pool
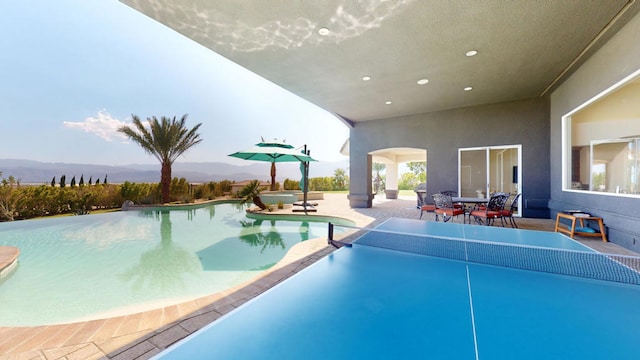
369, 301
89, 267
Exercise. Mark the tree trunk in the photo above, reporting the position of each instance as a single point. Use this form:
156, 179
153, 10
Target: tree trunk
165, 182
259, 203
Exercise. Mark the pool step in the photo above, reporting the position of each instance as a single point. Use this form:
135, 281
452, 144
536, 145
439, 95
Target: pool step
8, 259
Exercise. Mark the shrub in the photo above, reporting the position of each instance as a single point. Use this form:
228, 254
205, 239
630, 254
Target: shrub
291, 184
179, 190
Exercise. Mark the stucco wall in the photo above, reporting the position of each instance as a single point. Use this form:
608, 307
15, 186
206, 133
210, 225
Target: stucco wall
443, 133
619, 57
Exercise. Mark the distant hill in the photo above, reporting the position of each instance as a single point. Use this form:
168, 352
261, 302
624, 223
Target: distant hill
36, 172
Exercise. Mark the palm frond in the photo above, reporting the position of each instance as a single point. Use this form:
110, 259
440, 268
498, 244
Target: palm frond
164, 138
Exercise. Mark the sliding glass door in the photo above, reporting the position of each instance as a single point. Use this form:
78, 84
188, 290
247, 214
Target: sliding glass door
473, 179
485, 170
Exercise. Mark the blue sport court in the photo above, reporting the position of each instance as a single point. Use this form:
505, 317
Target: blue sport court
412, 289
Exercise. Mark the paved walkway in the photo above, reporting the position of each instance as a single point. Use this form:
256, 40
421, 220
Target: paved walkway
142, 335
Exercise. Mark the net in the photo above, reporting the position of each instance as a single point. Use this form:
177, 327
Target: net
586, 264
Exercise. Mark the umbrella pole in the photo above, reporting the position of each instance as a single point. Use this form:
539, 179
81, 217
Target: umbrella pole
305, 186
306, 179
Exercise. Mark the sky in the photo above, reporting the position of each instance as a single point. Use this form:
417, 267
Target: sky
73, 72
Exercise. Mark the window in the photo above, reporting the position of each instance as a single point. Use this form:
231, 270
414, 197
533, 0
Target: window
601, 142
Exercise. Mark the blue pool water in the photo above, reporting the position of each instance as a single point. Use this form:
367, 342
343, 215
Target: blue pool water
367, 302
86, 267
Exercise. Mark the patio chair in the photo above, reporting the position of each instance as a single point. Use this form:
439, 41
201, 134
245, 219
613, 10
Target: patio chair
507, 211
452, 194
445, 208
492, 211
424, 207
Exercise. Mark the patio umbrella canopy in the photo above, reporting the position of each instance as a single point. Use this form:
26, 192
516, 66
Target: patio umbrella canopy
273, 151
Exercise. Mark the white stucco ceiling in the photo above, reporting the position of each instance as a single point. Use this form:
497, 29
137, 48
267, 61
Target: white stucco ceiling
525, 47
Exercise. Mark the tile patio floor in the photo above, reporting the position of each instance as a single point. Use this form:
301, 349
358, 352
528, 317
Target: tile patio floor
142, 335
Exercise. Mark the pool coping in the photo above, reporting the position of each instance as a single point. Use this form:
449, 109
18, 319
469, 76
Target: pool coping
8, 259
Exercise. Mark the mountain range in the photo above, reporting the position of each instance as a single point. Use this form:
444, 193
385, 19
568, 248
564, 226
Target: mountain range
36, 172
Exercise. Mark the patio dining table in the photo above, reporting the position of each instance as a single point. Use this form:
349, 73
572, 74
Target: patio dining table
469, 200
473, 201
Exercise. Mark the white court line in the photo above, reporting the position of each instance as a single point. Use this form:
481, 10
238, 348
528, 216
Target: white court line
473, 318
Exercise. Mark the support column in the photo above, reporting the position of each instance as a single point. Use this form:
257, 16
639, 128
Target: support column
391, 187
360, 193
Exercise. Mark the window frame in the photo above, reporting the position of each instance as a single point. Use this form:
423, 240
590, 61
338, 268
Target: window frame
566, 141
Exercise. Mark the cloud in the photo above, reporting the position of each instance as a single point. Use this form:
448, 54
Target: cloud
102, 125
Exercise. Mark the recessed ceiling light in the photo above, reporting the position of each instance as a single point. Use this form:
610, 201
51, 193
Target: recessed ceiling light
468, 88
388, 102
366, 78
423, 81
472, 53
323, 31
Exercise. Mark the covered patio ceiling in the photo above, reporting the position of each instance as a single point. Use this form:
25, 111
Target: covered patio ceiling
363, 60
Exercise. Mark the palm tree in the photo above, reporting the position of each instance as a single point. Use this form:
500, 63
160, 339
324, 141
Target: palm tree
378, 182
165, 139
339, 179
251, 193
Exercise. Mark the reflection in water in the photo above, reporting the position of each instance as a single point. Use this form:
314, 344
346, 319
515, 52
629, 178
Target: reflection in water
212, 212
304, 231
258, 238
211, 26
253, 248
155, 214
163, 266
191, 212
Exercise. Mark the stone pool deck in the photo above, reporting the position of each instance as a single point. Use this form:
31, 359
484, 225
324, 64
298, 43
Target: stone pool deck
142, 335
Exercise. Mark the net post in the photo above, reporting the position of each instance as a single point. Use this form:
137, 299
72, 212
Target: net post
330, 232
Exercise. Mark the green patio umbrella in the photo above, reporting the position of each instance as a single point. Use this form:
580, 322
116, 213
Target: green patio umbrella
273, 151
